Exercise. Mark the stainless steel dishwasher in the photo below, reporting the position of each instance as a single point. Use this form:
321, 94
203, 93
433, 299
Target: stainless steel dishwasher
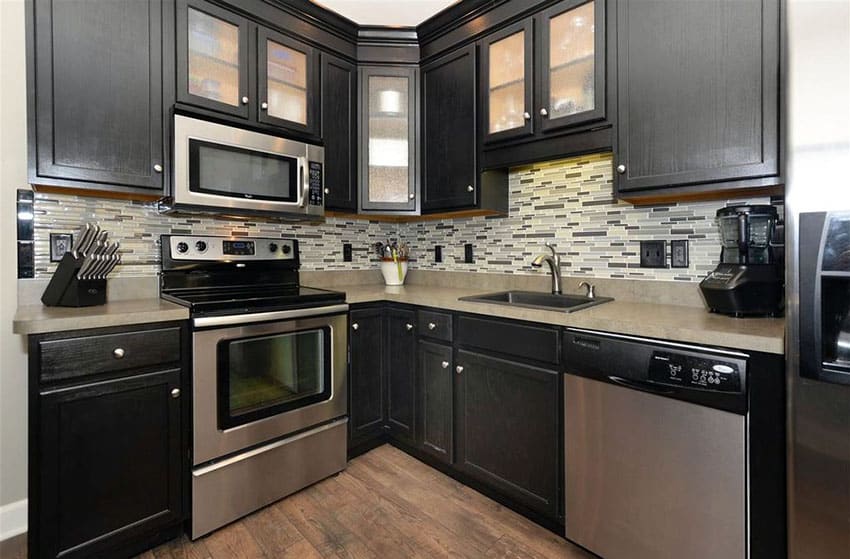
656, 448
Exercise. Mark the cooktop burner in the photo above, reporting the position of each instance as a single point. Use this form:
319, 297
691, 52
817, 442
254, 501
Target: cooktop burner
236, 275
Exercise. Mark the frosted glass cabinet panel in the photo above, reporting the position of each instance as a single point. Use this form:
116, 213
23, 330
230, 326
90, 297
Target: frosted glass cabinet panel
287, 73
572, 73
212, 57
388, 139
507, 72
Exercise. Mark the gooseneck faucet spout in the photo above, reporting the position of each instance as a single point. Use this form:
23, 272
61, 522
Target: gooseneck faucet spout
554, 262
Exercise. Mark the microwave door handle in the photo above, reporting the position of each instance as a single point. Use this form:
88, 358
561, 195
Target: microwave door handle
305, 187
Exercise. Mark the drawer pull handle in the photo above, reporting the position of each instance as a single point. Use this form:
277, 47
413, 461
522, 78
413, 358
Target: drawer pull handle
118, 353
459, 369
444, 364
431, 326
409, 327
175, 392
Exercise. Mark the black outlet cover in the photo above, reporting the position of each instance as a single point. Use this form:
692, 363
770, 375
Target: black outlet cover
438, 253
346, 252
653, 254
467, 253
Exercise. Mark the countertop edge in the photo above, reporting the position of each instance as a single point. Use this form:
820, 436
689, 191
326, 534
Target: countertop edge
122, 313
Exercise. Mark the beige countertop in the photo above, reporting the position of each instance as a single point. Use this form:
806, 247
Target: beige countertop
667, 322
38, 319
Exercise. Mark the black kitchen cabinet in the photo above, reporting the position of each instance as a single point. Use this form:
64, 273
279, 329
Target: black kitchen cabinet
95, 94
339, 131
108, 447
449, 142
544, 85
228, 64
698, 96
401, 373
435, 396
506, 430
366, 376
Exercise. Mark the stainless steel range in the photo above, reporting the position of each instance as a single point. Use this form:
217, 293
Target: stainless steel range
268, 373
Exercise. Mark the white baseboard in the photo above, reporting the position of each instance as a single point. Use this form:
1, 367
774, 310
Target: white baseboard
13, 519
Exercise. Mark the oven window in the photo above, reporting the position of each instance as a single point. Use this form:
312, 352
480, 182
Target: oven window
268, 375
241, 173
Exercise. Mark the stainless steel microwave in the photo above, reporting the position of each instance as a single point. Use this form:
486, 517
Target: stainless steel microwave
226, 170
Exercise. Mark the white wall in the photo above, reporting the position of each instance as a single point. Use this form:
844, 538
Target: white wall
13, 175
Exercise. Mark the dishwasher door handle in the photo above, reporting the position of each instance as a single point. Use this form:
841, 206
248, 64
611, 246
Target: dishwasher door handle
642, 386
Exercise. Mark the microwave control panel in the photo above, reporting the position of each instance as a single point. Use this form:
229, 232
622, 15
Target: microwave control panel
316, 191
691, 371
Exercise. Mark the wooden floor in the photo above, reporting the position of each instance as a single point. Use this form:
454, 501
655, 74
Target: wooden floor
385, 505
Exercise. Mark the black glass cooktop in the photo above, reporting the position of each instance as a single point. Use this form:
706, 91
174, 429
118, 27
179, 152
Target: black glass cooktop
251, 299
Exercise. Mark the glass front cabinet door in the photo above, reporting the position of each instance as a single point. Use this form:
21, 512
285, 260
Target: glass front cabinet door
288, 76
572, 64
212, 58
388, 139
506, 83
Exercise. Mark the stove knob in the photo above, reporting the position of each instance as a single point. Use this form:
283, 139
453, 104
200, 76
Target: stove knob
182, 247
272, 247
286, 249
201, 246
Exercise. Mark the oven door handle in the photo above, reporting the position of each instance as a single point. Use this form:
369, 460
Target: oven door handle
231, 320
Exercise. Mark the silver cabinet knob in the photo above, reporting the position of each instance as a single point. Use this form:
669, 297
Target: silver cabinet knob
175, 393
444, 364
408, 327
244, 100
157, 168
431, 326
327, 191
459, 369
118, 353
621, 169
526, 115
412, 196
470, 188
264, 106
544, 112
355, 326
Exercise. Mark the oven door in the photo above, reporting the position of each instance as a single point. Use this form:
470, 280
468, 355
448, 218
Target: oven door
258, 382
222, 168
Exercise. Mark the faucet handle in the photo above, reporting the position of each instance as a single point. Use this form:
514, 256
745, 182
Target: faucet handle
552, 248
591, 289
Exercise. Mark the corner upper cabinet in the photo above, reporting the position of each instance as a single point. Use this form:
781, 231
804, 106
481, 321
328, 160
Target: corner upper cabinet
339, 131
698, 97
287, 74
212, 58
507, 79
388, 127
95, 95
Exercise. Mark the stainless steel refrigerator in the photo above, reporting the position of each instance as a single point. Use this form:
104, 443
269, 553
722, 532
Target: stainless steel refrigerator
817, 59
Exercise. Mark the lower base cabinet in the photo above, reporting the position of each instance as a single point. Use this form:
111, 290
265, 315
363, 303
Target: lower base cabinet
366, 376
108, 457
507, 428
401, 374
436, 406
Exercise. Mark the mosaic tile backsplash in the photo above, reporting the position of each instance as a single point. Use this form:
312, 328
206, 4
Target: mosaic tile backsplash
568, 203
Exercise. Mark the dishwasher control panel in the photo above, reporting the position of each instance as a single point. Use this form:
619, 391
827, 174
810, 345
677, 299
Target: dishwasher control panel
690, 371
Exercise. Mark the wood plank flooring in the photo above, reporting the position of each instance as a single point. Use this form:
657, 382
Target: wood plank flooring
385, 505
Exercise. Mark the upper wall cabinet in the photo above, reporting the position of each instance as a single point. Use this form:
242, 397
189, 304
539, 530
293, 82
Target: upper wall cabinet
388, 139
227, 64
698, 97
339, 131
95, 95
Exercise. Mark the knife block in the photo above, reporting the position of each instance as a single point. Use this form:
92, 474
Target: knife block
65, 290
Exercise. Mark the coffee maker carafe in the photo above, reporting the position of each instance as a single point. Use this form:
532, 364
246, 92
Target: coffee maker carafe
749, 281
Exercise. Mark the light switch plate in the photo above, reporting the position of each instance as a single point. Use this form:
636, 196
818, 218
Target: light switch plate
679, 253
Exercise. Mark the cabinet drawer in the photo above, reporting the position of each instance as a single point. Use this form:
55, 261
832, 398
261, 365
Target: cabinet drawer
435, 325
89, 355
538, 343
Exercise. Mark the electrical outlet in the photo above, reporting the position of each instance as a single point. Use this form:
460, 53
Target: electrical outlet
679, 253
653, 254
438, 253
467, 253
346, 252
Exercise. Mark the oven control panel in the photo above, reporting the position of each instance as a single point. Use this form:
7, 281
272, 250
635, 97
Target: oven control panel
222, 249
691, 371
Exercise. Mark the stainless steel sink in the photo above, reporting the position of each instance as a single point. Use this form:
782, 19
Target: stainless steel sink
538, 300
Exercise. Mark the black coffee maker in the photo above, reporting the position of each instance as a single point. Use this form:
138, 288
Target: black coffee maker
749, 281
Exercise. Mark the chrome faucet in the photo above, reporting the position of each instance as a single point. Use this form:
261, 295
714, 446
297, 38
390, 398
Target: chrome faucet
554, 262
